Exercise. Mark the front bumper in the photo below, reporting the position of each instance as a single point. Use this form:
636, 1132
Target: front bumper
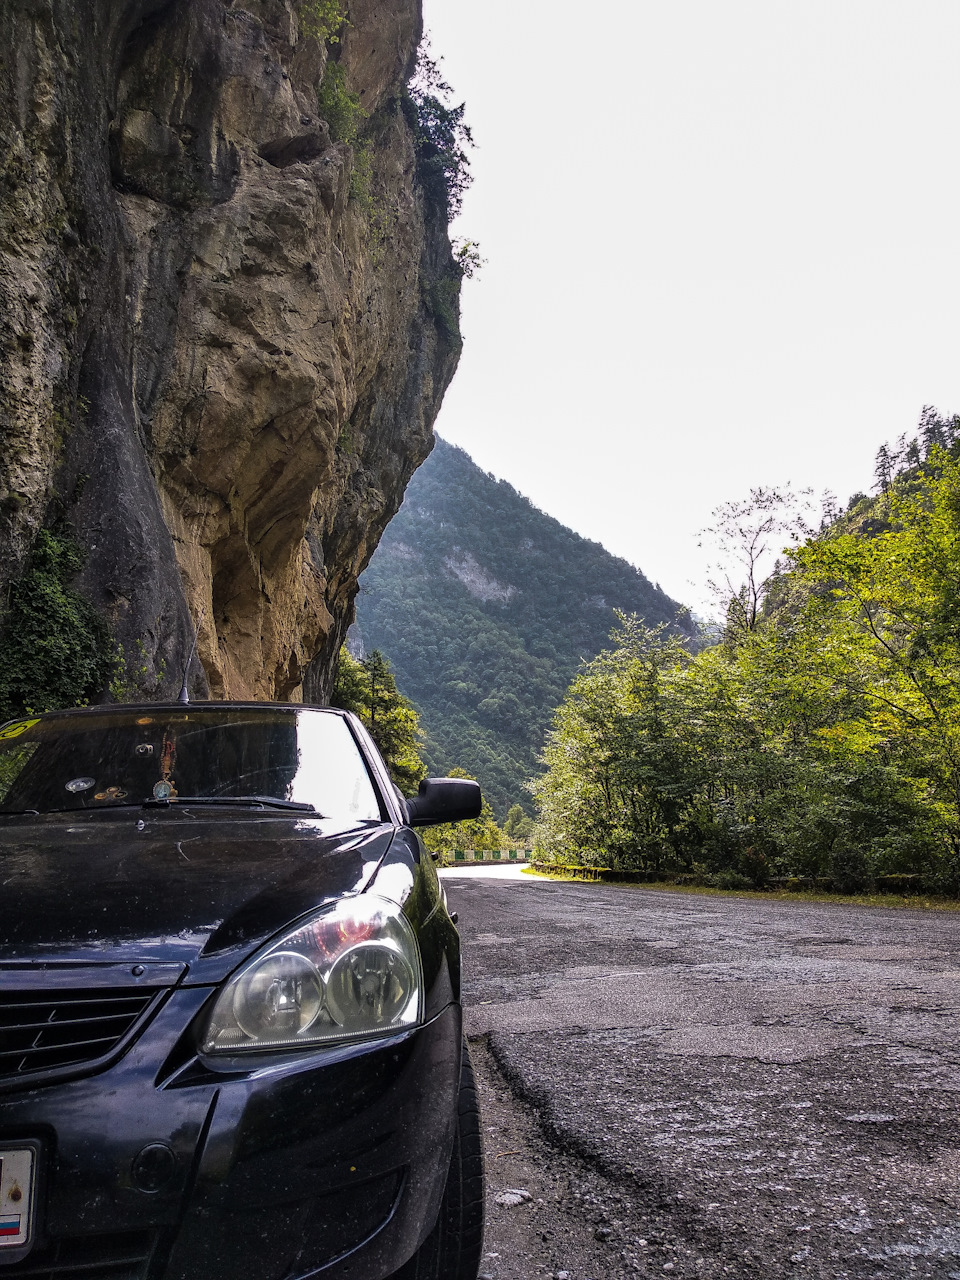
332, 1162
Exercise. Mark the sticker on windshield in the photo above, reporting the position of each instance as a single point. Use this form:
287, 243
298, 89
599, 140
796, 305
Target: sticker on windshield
79, 784
14, 730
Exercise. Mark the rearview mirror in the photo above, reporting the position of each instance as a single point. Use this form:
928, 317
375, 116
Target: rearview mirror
444, 800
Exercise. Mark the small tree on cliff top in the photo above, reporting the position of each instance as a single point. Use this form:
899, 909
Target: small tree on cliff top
441, 136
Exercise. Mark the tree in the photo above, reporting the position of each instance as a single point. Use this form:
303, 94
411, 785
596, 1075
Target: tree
617, 772
748, 538
440, 134
890, 605
932, 430
824, 742
368, 689
883, 468
519, 826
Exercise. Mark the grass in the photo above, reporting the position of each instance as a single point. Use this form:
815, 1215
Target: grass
918, 903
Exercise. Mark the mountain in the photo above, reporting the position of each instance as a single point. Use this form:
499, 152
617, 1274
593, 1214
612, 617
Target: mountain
486, 608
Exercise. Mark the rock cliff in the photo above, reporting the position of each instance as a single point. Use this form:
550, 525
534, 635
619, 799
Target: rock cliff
221, 348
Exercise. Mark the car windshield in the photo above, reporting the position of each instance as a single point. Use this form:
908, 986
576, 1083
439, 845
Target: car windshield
300, 760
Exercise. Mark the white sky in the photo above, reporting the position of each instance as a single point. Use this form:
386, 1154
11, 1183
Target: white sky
723, 251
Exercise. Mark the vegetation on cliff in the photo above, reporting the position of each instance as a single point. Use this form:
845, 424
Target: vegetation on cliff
54, 647
819, 738
442, 135
486, 607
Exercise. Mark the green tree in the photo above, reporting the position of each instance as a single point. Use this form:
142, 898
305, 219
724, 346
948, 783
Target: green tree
889, 604
883, 468
441, 137
617, 771
824, 741
368, 689
518, 826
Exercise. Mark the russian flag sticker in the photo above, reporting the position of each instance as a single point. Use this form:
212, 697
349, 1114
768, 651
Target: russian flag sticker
10, 1225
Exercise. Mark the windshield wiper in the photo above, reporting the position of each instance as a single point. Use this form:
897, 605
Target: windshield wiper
298, 806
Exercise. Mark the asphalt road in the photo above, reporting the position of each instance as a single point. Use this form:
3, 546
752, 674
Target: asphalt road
707, 1087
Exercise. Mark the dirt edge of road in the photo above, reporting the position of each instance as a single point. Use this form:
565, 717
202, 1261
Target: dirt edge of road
574, 1221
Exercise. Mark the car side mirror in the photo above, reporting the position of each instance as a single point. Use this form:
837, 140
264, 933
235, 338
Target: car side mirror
444, 800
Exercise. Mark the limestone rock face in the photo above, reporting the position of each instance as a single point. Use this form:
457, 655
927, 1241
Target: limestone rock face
220, 360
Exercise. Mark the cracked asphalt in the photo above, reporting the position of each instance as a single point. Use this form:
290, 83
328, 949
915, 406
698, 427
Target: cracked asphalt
704, 1086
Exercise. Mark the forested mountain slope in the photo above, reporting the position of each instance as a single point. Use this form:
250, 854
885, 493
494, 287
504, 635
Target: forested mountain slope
486, 607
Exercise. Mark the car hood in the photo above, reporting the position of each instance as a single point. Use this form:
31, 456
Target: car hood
198, 889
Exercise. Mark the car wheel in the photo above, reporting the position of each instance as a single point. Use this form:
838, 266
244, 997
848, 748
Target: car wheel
453, 1248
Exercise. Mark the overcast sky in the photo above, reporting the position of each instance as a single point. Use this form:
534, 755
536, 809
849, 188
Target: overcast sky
723, 250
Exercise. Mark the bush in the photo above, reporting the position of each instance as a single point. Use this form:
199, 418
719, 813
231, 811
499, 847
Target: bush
728, 880
849, 869
754, 865
322, 19
338, 106
55, 648
904, 884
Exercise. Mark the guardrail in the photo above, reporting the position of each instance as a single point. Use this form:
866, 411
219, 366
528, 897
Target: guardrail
486, 856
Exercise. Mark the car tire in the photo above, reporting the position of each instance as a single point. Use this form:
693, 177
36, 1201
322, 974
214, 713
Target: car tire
453, 1249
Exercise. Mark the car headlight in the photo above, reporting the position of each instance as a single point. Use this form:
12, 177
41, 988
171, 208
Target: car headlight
350, 971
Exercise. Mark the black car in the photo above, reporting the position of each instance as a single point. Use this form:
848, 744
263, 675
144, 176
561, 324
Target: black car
230, 1022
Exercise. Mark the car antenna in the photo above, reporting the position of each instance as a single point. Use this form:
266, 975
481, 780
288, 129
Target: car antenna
184, 692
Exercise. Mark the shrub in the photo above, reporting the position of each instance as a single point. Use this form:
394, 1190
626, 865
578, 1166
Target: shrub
849, 868
338, 106
729, 880
361, 175
322, 19
466, 254
905, 884
55, 648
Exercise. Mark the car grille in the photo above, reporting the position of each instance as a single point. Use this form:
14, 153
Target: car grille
44, 1030
124, 1256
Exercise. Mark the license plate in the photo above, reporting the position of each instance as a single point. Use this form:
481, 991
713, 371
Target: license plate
18, 1178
